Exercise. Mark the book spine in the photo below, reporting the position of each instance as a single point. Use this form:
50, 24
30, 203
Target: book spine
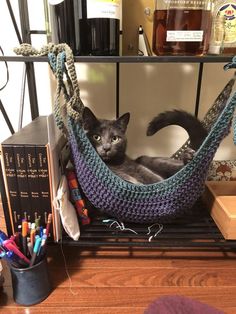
22, 179
11, 186
4, 200
44, 182
33, 181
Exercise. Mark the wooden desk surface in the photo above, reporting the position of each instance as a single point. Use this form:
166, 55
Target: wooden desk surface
126, 281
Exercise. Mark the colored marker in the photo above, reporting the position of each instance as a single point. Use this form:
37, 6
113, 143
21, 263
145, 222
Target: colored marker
35, 251
24, 237
11, 247
48, 224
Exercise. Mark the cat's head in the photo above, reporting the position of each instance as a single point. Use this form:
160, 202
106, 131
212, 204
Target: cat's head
107, 136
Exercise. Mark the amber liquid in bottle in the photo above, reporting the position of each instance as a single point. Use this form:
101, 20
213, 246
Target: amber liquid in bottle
181, 20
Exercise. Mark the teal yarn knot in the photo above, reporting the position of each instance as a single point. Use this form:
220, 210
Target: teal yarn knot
231, 65
57, 63
61, 58
52, 61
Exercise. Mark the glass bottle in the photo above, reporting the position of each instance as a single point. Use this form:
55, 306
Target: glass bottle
181, 27
227, 8
64, 23
217, 35
99, 23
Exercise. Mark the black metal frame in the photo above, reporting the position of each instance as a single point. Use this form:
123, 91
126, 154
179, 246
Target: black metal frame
197, 232
201, 234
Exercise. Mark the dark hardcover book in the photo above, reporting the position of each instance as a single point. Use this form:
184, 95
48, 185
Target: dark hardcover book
22, 180
11, 185
33, 181
5, 203
34, 134
44, 182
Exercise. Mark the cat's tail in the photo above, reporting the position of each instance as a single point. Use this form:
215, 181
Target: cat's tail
196, 131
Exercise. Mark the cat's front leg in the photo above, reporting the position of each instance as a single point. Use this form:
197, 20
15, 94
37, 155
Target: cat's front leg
188, 155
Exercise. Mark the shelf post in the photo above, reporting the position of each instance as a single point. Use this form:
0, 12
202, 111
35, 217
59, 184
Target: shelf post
25, 30
199, 86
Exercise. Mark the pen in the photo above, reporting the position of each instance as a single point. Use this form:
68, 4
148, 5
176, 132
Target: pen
48, 224
24, 236
5, 255
11, 247
35, 251
32, 237
3, 237
30, 248
37, 223
41, 252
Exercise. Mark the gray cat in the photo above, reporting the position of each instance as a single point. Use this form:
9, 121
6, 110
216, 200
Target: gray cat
109, 139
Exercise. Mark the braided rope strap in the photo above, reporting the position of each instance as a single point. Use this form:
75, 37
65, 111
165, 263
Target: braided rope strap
212, 114
61, 61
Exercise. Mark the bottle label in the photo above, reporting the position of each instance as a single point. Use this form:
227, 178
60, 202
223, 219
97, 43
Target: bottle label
229, 11
103, 9
183, 4
190, 36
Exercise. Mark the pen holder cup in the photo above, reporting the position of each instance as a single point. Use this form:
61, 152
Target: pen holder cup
31, 285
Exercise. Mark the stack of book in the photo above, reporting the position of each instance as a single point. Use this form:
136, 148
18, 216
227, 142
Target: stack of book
33, 160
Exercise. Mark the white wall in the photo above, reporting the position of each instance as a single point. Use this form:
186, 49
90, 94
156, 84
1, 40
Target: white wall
145, 90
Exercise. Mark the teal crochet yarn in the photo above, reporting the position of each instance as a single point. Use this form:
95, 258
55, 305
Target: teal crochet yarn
150, 203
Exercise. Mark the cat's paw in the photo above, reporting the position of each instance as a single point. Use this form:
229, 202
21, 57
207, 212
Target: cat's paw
188, 155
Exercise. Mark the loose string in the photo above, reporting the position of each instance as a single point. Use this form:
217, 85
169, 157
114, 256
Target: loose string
67, 270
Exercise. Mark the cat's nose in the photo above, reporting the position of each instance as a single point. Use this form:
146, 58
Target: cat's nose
106, 147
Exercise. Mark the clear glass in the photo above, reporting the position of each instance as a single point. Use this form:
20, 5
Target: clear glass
181, 27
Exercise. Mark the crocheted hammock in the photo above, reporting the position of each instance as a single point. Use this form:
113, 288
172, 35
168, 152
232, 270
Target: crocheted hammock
106, 191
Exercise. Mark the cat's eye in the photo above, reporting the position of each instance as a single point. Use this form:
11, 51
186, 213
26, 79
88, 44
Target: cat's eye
115, 139
97, 137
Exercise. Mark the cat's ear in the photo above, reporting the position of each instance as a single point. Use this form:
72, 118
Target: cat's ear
123, 121
89, 119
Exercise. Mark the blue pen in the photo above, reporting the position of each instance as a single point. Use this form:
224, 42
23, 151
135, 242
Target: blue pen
7, 257
35, 251
3, 237
16, 259
41, 231
41, 252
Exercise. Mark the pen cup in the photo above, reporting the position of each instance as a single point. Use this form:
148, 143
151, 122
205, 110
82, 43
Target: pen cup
31, 285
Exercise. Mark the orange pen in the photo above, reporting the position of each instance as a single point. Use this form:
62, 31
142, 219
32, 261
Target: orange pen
24, 236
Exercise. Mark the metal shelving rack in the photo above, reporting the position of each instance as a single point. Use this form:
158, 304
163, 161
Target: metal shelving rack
195, 232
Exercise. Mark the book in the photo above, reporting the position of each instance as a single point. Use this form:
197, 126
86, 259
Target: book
44, 182
10, 181
22, 181
33, 181
37, 148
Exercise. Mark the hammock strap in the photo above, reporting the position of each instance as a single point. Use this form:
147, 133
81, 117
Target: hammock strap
61, 61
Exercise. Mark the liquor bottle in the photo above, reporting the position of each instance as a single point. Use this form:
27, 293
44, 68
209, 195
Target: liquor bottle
216, 45
226, 9
181, 27
99, 27
63, 23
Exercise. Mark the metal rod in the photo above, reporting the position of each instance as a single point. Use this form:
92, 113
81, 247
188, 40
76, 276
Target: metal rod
14, 21
37, 32
5, 116
126, 59
199, 86
22, 98
25, 29
117, 90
